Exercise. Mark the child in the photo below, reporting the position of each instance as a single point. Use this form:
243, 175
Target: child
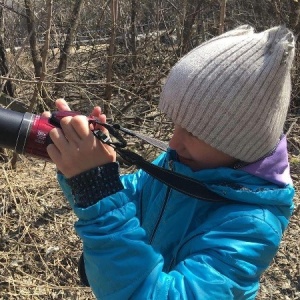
228, 99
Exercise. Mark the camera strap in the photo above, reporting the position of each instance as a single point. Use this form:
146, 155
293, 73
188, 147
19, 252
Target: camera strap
176, 181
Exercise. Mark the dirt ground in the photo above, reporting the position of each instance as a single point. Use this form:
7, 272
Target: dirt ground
39, 249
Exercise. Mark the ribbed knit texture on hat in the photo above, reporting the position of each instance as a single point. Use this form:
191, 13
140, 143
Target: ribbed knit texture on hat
233, 91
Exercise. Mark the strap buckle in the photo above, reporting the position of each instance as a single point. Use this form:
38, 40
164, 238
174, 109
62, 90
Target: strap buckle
118, 142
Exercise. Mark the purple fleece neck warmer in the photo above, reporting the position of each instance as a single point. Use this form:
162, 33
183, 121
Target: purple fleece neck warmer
274, 168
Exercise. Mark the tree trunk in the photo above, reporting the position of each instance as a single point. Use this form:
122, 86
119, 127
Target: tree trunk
295, 17
47, 39
191, 12
6, 86
35, 53
222, 16
39, 90
31, 27
133, 33
111, 50
65, 52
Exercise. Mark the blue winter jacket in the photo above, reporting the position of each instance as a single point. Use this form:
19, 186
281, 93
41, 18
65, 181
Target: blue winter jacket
151, 242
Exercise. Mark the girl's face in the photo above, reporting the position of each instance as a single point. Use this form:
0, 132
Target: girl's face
197, 154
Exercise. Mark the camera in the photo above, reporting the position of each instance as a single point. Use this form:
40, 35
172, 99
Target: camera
28, 133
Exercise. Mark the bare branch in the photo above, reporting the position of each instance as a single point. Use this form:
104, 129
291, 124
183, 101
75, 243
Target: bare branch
12, 9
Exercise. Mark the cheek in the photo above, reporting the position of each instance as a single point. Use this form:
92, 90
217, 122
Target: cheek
197, 156
200, 152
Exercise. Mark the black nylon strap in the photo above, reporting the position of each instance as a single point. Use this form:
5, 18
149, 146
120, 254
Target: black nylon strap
179, 182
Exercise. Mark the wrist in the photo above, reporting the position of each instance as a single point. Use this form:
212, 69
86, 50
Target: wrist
91, 186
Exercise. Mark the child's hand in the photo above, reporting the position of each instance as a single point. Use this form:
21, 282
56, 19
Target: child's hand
61, 105
75, 149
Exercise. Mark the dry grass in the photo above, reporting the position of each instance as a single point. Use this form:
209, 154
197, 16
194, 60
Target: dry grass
38, 247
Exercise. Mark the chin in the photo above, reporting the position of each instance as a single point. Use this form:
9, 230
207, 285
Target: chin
190, 163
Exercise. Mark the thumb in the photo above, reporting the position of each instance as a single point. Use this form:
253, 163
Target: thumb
62, 105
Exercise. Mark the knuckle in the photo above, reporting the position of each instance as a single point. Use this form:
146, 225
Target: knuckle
79, 119
52, 133
65, 120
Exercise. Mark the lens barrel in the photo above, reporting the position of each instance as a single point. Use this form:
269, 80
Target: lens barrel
27, 133
13, 128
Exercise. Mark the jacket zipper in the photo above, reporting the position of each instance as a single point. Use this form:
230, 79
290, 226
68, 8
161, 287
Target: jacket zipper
160, 215
162, 209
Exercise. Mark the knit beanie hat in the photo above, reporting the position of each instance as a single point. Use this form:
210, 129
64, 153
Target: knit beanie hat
233, 91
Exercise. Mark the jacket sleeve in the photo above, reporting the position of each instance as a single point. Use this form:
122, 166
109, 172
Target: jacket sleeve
212, 264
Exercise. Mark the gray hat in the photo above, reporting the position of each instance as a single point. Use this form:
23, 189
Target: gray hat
233, 91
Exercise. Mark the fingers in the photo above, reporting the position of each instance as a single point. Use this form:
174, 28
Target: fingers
54, 153
46, 114
79, 127
76, 129
62, 105
96, 112
69, 130
75, 149
58, 137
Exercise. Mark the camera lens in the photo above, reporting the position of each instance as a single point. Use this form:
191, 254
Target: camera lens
10, 124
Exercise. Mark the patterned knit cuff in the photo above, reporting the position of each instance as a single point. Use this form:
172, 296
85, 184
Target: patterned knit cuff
95, 184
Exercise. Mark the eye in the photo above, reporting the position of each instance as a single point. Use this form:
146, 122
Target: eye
191, 135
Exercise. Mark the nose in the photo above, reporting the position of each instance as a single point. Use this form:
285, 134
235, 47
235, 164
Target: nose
176, 140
